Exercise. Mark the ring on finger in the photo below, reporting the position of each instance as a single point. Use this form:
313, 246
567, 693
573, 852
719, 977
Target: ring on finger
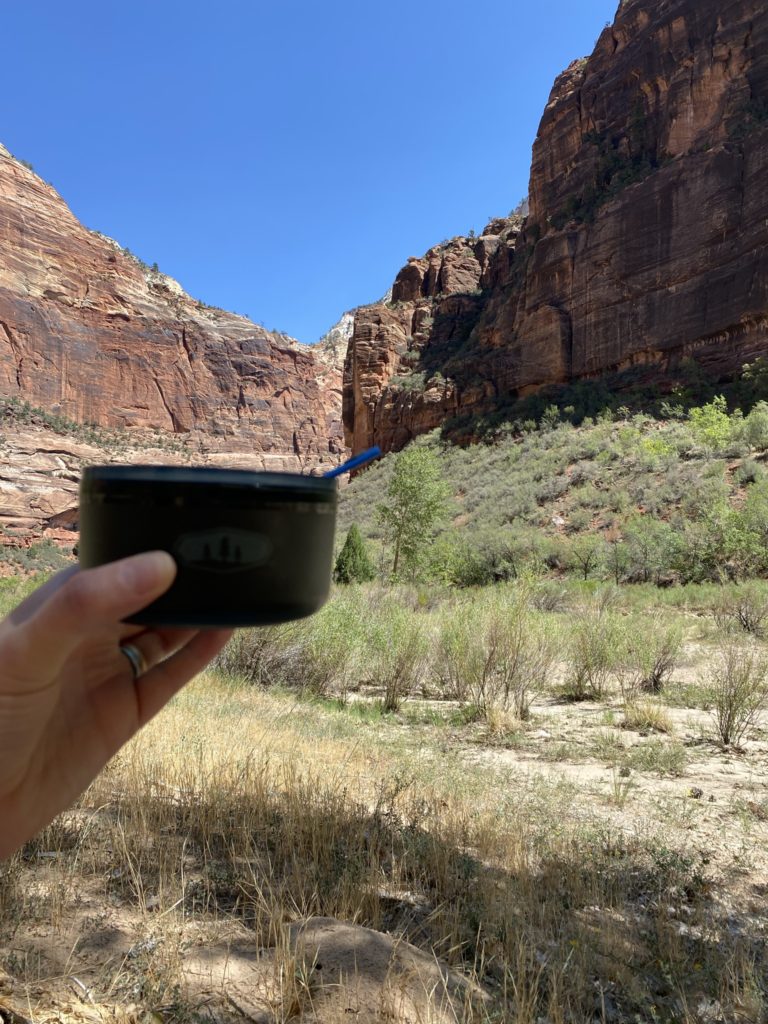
136, 658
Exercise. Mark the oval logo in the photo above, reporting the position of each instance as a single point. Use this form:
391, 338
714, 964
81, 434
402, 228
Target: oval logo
223, 549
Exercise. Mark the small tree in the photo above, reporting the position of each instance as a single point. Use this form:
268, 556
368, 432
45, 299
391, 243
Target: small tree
617, 558
650, 543
586, 553
417, 499
756, 427
711, 425
353, 564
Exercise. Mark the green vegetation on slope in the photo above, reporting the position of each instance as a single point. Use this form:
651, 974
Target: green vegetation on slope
626, 498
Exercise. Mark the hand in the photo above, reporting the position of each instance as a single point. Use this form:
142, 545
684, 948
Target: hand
68, 696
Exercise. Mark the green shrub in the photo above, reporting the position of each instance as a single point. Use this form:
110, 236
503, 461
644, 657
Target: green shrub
593, 653
744, 607
353, 564
484, 557
451, 666
648, 654
398, 647
494, 654
328, 647
738, 685
756, 427
712, 428
749, 472
549, 596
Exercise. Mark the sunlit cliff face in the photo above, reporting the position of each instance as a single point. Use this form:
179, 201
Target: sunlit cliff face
89, 332
645, 242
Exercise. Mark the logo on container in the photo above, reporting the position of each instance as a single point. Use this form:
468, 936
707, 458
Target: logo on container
223, 549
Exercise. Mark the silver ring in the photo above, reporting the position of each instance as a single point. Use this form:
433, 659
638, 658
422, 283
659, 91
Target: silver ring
136, 658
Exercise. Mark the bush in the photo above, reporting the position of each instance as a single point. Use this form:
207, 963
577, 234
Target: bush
485, 557
744, 608
494, 656
756, 427
647, 655
549, 596
749, 472
594, 652
659, 651
455, 651
398, 647
713, 429
353, 564
738, 692
315, 655
261, 656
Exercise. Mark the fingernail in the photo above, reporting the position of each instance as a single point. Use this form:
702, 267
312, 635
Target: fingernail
147, 572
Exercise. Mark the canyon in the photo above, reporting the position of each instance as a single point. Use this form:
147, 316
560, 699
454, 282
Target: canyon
642, 245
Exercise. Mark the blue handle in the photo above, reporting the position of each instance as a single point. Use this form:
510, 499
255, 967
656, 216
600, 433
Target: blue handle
359, 460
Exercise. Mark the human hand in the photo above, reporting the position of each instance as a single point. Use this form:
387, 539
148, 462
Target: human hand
69, 698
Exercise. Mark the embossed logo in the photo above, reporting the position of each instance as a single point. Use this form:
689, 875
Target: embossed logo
223, 549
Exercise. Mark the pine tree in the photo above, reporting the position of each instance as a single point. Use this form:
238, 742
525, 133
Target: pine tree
353, 564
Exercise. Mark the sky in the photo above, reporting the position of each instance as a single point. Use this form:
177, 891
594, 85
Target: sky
283, 160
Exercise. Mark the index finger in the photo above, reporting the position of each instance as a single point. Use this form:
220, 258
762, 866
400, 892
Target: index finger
78, 606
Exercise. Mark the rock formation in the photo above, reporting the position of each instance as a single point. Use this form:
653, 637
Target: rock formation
645, 242
397, 375
40, 470
89, 333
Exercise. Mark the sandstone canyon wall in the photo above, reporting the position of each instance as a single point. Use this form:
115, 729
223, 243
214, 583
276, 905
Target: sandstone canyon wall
89, 333
645, 242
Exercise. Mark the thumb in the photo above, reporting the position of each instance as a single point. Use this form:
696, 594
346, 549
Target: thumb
86, 602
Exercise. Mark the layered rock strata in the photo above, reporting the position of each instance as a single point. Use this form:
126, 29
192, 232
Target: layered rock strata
91, 334
645, 242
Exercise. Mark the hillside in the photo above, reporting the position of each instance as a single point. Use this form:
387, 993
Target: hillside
625, 497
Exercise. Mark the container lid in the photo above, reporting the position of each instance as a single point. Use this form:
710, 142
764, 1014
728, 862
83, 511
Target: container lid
204, 480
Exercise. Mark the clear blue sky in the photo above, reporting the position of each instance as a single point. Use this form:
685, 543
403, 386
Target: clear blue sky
284, 159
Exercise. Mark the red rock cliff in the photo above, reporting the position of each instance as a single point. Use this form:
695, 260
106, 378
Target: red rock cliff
645, 242
91, 334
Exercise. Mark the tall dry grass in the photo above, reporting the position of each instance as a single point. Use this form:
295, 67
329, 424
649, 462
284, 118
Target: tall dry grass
242, 805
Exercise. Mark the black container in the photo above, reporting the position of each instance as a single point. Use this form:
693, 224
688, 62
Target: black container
251, 548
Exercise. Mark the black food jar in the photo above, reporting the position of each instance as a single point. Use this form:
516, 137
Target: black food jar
251, 548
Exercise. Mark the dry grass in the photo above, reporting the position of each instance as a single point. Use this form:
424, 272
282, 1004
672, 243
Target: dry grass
647, 716
239, 813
